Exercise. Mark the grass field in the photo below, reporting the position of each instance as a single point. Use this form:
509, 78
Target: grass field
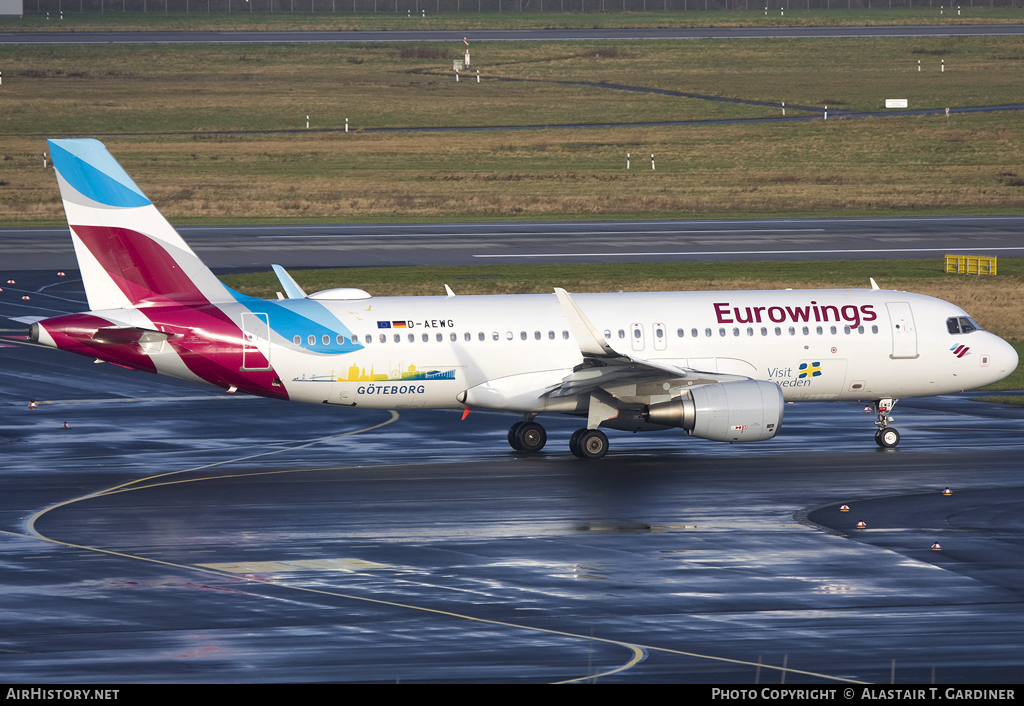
175, 117
468, 21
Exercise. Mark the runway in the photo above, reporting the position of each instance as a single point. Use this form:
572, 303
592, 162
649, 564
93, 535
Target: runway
259, 246
174, 533
494, 35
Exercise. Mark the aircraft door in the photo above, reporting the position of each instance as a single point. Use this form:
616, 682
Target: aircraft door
255, 341
636, 336
660, 337
904, 333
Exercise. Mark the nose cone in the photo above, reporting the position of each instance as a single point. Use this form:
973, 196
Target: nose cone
1006, 359
1001, 360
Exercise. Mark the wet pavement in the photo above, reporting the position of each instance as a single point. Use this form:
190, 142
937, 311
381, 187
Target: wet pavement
174, 533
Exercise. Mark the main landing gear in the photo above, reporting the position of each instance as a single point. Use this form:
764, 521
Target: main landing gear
530, 437
527, 436
886, 436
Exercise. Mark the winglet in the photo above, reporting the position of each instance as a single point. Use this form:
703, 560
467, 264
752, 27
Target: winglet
449, 291
291, 288
874, 285
591, 342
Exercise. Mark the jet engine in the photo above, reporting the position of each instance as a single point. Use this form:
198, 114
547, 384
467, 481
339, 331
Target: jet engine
746, 410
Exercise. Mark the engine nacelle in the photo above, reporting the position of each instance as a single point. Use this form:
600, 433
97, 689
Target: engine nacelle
748, 410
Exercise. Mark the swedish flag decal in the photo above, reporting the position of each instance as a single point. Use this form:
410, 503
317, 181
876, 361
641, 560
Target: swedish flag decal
810, 370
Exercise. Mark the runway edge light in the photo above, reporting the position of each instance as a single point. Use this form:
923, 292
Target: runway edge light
947, 491
861, 525
844, 508
936, 547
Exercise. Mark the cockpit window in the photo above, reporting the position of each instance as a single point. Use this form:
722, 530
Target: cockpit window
961, 324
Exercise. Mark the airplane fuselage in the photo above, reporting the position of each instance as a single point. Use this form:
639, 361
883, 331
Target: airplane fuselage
719, 365
507, 351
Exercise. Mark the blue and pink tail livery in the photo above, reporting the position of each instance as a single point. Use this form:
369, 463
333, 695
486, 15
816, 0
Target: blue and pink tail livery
128, 253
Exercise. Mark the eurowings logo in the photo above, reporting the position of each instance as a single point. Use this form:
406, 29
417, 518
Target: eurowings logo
809, 370
960, 351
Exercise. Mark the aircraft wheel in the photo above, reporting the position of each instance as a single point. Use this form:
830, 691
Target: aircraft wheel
888, 438
513, 434
592, 444
530, 437
574, 445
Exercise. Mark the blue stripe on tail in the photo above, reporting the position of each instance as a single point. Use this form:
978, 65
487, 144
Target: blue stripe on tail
88, 167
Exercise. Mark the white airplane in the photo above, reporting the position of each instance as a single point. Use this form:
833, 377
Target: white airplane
719, 365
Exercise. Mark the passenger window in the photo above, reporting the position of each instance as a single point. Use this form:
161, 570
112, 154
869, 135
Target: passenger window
679, 333
522, 335
607, 334
326, 339
707, 332
341, 340
536, 335
398, 338
565, 335
551, 335
311, 339
494, 335
750, 331
440, 337
778, 331
480, 336
369, 338
636, 333
764, 331
297, 340
806, 330
874, 329
426, 337
383, 338
735, 332
412, 338
693, 332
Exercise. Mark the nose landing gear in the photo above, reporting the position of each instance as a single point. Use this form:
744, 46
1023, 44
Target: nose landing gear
886, 436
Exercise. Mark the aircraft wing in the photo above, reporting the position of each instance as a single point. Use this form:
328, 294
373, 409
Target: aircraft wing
605, 367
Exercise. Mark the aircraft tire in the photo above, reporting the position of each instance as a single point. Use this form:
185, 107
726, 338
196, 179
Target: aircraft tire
888, 438
574, 445
592, 444
530, 437
513, 436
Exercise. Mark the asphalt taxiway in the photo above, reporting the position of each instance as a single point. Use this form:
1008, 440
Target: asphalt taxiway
500, 35
361, 245
174, 533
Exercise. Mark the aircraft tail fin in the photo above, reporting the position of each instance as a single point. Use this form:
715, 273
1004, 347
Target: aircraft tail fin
127, 251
